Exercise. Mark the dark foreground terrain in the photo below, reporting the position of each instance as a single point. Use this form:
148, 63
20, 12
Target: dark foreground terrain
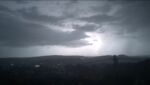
75, 70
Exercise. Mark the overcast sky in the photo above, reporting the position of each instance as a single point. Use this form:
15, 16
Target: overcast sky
74, 27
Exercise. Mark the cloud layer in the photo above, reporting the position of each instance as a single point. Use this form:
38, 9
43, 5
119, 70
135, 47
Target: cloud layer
122, 25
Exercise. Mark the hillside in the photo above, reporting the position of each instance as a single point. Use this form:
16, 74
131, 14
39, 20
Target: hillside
75, 70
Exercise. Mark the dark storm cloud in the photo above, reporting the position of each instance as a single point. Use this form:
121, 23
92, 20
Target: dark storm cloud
32, 24
135, 20
99, 19
133, 16
33, 14
136, 15
17, 32
5, 9
86, 28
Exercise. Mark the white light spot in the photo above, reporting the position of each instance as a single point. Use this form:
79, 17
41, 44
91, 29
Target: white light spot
11, 64
94, 40
37, 66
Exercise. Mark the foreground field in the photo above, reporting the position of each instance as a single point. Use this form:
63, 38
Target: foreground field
75, 70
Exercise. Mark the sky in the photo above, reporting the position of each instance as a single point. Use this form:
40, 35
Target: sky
74, 27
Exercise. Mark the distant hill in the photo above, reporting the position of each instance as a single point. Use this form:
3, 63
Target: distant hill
71, 59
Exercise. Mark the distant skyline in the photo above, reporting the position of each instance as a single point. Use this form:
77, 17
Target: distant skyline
74, 27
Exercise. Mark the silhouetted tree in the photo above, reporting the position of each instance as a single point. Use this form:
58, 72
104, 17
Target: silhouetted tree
115, 68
